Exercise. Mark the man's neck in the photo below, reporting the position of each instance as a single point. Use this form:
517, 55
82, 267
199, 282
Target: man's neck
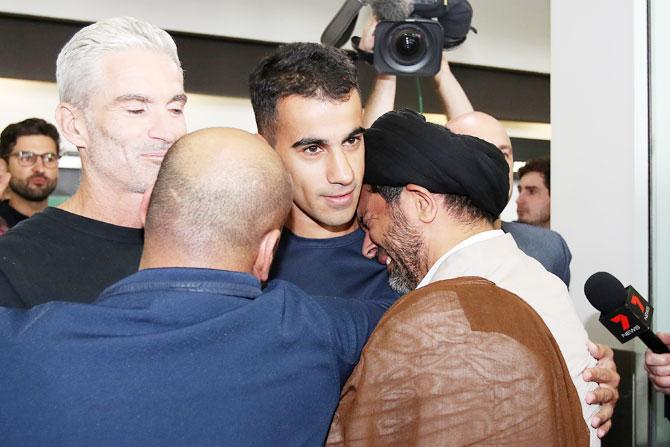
95, 201
443, 241
27, 207
304, 226
158, 254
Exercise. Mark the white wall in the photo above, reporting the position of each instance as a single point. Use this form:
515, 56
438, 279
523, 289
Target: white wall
599, 142
512, 33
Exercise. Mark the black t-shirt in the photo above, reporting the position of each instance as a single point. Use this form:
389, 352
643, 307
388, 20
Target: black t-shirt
10, 215
59, 256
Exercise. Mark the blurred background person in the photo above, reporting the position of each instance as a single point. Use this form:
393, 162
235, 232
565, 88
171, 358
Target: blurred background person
533, 206
30, 149
4, 181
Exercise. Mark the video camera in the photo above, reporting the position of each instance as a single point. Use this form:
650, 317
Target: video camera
411, 34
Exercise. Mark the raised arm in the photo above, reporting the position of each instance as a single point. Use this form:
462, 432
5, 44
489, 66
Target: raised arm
382, 97
454, 100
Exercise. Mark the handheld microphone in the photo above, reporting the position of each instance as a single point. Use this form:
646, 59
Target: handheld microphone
623, 311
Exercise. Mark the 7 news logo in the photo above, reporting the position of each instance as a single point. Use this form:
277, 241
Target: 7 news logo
623, 320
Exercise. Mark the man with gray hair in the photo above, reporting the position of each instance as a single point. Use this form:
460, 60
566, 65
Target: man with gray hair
122, 98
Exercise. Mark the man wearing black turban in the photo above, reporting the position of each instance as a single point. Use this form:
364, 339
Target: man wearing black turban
429, 203
463, 181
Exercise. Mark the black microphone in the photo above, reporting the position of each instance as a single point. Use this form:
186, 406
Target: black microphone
623, 310
624, 313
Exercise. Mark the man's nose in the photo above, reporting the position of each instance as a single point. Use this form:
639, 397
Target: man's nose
339, 168
38, 166
164, 127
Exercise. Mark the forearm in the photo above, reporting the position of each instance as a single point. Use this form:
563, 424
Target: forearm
381, 100
454, 100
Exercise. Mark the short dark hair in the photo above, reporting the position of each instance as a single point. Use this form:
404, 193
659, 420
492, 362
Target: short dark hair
305, 69
541, 165
460, 207
30, 126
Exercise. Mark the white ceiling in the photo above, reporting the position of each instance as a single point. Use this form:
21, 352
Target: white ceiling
512, 33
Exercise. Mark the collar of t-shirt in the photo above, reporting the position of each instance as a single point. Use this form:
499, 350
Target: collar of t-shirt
479, 237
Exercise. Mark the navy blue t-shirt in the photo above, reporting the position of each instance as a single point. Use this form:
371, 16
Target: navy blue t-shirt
331, 267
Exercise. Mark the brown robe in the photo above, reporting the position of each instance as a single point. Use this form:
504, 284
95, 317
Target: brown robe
460, 362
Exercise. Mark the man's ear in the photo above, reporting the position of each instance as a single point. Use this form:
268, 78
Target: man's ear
144, 205
423, 202
265, 255
72, 125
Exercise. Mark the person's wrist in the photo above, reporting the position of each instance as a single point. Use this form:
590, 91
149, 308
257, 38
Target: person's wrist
386, 78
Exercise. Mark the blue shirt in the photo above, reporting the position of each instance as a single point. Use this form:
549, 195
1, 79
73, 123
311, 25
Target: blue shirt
331, 267
546, 246
182, 357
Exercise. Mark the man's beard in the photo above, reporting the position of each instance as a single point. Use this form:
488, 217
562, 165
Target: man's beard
405, 248
22, 189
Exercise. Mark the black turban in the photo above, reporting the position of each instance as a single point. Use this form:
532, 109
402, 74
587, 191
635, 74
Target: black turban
402, 148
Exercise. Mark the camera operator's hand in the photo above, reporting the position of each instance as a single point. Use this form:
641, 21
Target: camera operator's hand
367, 42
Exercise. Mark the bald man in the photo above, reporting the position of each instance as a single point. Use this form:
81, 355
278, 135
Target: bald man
189, 350
547, 246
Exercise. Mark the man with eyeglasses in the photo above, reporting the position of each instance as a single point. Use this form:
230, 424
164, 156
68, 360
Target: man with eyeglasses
30, 149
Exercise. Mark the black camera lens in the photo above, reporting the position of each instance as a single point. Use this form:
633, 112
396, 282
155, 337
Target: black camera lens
408, 45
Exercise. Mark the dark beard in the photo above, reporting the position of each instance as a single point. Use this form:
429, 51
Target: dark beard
405, 247
21, 189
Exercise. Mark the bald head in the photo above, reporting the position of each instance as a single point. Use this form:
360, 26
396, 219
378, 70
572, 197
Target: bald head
481, 125
218, 192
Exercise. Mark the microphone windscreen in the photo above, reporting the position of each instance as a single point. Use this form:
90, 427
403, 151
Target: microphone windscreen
605, 292
395, 10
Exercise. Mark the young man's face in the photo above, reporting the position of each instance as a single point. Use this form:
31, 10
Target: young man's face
533, 206
134, 117
320, 142
33, 182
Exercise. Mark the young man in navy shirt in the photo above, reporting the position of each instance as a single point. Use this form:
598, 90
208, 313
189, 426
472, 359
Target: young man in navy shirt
307, 104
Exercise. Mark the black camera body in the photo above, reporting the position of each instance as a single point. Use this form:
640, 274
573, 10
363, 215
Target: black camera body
414, 46
405, 47
409, 47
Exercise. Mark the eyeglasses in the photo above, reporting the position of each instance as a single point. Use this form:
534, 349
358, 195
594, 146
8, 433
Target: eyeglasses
27, 158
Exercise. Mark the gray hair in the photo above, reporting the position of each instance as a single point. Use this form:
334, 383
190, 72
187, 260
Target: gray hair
78, 62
